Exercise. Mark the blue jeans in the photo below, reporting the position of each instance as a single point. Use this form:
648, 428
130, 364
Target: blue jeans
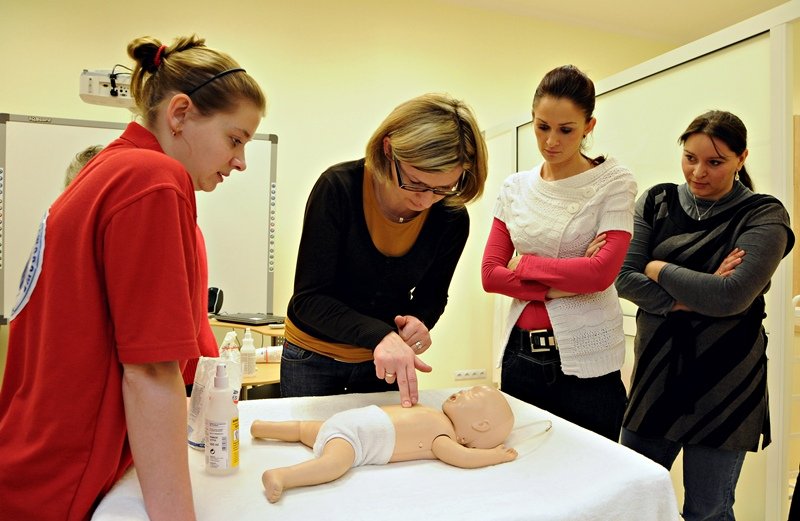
305, 373
597, 404
709, 475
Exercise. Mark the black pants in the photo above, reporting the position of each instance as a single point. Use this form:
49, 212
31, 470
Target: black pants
597, 404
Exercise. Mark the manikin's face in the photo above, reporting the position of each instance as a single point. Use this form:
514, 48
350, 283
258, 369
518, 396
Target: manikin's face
213, 146
559, 126
709, 166
476, 413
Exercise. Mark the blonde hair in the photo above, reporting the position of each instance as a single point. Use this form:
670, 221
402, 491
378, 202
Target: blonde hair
188, 66
79, 161
434, 133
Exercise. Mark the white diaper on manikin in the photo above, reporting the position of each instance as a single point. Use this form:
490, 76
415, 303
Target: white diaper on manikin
368, 429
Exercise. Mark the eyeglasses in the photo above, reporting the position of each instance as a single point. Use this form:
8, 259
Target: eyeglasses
420, 187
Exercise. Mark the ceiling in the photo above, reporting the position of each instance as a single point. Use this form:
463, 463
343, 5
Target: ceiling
672, 22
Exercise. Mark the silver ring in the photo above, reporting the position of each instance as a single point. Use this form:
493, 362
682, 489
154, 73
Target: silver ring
417, 345
389, 375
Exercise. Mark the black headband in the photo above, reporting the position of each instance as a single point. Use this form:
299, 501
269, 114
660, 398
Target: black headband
214, 77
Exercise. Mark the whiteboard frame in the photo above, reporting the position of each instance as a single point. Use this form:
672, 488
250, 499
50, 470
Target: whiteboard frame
270, 187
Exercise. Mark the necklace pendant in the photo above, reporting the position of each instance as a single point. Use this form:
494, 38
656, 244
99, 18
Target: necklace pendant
700, 216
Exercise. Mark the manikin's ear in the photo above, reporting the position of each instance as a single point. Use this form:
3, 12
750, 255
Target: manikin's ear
178, 108
481, 426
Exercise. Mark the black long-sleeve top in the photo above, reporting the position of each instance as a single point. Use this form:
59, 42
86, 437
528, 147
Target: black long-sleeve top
347, 291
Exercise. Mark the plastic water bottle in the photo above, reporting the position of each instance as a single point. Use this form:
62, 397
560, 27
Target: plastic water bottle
248, 354
229, 349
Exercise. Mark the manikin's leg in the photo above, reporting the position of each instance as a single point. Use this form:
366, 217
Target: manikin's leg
303, 431
337, 458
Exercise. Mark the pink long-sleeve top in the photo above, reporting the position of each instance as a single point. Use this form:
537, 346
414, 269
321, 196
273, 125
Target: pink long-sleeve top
534, 275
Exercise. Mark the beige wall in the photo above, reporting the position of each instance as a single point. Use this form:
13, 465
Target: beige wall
332, 71
792, 431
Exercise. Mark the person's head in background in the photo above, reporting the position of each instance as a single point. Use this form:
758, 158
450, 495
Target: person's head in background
79, 161
714, 151
435, 142
198, 102
563, 115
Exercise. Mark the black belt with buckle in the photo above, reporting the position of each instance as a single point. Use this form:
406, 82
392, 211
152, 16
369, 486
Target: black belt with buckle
538, 340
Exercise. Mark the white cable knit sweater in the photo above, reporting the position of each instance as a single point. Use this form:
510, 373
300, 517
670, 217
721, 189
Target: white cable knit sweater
558, 219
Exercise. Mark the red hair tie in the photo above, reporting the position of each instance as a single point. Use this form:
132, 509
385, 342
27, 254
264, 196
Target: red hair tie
157, 59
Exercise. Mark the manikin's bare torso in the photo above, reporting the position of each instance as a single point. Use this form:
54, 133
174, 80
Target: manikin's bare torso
415, 429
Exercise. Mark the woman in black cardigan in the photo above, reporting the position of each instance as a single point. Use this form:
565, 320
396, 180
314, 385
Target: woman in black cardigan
381, 239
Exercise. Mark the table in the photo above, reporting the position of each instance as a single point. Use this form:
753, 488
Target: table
263, 330
266, 373
567, 474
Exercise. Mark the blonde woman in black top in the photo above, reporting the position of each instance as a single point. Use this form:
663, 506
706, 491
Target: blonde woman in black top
381, 239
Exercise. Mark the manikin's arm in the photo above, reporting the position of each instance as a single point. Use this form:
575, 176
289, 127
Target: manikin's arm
155, 412
452, 453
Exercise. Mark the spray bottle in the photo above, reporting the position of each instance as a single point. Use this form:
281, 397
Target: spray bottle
248, 354
222, 427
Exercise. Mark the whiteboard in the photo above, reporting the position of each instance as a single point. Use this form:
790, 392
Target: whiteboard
235, 219
640, 123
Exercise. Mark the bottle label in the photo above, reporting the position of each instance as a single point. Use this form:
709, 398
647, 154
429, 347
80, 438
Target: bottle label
222, 444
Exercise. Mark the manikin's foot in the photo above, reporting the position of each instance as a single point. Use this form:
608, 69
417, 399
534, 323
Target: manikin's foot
273, 484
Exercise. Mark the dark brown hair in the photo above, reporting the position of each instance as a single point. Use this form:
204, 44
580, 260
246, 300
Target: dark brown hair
569, 82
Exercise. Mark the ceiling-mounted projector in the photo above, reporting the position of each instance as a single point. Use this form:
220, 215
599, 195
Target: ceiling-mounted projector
104, 87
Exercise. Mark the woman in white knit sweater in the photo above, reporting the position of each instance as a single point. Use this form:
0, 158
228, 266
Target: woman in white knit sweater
558, 239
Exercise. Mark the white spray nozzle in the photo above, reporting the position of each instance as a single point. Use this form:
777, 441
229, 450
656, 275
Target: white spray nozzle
221, 378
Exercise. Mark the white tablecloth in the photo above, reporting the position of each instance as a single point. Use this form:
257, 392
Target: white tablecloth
567, 474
